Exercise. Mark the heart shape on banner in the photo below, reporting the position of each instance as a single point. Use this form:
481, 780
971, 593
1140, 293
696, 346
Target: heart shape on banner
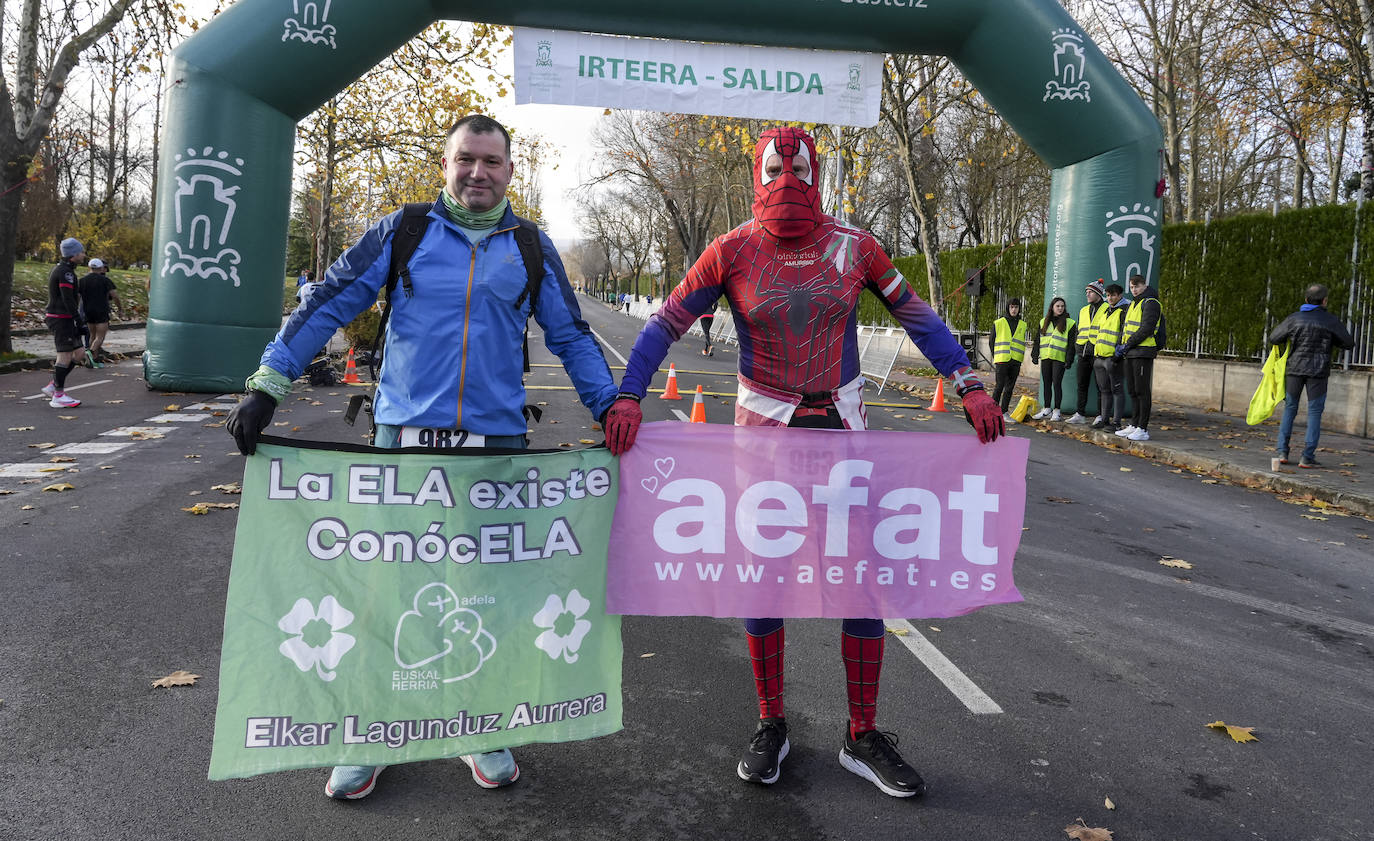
438, 632
649, 484
665, 466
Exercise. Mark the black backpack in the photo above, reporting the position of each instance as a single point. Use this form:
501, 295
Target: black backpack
409, 231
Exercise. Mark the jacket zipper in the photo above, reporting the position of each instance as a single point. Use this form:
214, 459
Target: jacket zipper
467, 315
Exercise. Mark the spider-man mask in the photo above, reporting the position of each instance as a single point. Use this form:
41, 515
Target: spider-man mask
786, 199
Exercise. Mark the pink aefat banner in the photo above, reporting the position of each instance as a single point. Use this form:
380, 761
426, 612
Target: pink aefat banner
716, 520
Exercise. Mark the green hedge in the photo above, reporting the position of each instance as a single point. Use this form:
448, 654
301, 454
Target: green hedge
1233, 279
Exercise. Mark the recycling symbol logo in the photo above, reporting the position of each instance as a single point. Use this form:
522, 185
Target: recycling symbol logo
436, 633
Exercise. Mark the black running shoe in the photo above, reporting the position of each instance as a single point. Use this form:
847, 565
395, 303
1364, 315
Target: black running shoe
762, 763
874, 757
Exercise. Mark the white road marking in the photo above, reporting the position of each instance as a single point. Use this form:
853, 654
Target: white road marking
68, 388
135, 431
1302, 614
31, 470
681, 415
93, 447
176, 417
605, 345
954, 680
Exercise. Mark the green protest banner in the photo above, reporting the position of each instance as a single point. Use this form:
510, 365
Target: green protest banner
395, 606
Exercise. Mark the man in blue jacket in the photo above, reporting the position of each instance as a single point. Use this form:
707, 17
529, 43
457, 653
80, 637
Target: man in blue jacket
453, 369
1311, 334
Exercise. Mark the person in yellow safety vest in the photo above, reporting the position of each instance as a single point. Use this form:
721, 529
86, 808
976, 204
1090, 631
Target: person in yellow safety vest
1137, 352
1053, 352
1108, 324
1087, 339
1008, 349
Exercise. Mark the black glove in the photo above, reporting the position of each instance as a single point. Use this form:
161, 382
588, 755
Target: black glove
249, 418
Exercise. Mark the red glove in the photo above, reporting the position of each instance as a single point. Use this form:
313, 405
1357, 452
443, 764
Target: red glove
984, 415
622, 424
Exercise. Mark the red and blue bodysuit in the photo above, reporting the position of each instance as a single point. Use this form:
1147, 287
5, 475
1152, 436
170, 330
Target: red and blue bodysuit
792, 277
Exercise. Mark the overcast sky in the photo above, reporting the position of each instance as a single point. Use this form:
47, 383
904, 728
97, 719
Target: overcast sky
569, 127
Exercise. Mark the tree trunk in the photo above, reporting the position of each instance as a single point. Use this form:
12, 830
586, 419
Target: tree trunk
1367, 102
9, 232
322, 260
1367, 146
1333, 186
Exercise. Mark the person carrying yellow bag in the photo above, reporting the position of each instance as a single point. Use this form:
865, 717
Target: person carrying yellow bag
1270, 392
1310, 334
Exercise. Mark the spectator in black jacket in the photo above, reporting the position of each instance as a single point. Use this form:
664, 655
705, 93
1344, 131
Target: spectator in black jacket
1310, 333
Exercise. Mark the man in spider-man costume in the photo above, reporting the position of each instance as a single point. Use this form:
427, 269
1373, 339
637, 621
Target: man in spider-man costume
792, 276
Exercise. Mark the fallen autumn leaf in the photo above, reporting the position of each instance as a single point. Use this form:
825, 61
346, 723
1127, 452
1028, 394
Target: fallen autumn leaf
1082, 832
1239, 734
180, 677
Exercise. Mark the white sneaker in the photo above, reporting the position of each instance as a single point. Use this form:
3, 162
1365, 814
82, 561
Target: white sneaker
60, 400
1077, 418
1008, 418
1126, 431
1139, 435
50, 388
1041, 415
1055, 416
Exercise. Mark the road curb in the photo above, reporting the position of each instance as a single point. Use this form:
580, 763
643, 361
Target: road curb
1355, 503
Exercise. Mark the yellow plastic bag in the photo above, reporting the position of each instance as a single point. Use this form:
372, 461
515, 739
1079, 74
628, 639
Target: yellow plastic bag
1270, 392
1025, 407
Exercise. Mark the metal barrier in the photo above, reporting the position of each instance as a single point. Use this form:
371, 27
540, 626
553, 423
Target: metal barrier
879, 348
724, 334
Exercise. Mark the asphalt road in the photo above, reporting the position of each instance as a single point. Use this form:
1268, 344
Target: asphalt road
1100, 685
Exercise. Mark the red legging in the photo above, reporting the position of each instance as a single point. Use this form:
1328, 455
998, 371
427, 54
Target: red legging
861, 647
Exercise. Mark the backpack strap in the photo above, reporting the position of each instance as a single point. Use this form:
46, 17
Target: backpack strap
532, 253
409, 231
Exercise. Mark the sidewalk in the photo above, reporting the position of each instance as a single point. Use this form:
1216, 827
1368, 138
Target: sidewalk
1201, 441
1223, 447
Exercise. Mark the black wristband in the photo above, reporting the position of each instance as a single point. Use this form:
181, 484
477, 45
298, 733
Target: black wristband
625, 395
976, 385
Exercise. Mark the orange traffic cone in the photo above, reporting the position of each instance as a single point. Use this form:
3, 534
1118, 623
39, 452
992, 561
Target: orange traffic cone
938, 404
351, 371
698, 408
670, 390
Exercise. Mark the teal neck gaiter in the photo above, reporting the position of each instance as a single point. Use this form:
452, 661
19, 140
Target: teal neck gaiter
470, 219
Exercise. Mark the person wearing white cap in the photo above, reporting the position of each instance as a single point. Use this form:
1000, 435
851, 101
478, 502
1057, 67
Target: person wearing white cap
97, 292
64, 320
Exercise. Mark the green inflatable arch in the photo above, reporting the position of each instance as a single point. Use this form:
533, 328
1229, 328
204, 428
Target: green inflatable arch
239, 86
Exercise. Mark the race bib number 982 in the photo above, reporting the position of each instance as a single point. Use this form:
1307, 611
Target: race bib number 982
423, 436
